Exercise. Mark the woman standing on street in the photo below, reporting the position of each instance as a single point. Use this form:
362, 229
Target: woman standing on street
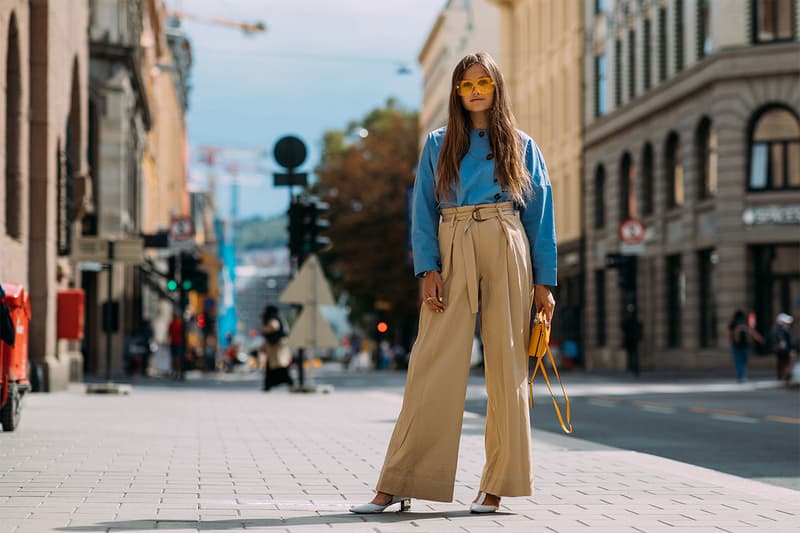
483, 234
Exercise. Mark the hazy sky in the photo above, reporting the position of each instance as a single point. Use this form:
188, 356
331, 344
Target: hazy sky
321, 64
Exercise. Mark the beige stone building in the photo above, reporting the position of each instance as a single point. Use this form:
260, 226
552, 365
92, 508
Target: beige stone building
542, 51
462, 27
44, 191
692, 126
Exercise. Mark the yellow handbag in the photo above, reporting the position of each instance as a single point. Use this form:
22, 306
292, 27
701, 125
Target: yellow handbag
538, 347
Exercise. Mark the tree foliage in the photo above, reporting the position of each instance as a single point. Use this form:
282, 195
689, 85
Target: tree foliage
366, 181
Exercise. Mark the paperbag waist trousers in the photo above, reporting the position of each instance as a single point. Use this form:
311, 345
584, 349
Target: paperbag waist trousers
485, 261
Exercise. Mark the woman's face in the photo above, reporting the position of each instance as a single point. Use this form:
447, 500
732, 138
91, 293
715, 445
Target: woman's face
475, 102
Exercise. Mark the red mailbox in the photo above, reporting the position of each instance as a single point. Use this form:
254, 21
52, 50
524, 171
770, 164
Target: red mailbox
14, 365
70, 314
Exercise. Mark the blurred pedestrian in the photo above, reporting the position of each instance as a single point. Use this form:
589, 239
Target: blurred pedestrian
632, 335
483, 234
210, 354
177, 346
741, 335
782, 344
279, 356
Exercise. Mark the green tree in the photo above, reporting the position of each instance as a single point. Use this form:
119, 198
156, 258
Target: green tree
365, 179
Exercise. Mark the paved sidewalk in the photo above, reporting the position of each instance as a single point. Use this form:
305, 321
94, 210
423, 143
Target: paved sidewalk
192, 459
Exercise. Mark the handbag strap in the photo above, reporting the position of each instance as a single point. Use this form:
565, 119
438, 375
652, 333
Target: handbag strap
566, 427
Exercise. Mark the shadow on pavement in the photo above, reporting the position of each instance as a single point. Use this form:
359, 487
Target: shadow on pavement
322, 520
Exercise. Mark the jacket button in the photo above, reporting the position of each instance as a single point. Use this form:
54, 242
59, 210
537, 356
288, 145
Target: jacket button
495, 180
481, 134
497, 196
490, 157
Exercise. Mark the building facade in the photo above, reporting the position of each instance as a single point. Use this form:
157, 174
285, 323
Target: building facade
462, 27
542, 51
45, 189
692, 126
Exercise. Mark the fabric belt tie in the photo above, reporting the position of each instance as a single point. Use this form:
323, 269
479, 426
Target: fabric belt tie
473, 214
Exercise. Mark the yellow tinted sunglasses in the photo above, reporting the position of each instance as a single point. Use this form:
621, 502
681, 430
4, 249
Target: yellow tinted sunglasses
484, 85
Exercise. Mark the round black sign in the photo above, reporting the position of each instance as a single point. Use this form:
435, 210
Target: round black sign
290, 151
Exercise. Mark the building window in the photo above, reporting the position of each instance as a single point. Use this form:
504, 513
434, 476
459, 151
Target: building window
703, 28
706, 259
662, 44
618, 73
601, 6
706, 144
600, 299
647, 180
673, 171
599, 197
13, 179
646, 75
675, 298
774, 150
678, 35
631, 64
773, 20
627, 188
601, 86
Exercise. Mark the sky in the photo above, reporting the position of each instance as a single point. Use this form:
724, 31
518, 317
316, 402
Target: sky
319, 65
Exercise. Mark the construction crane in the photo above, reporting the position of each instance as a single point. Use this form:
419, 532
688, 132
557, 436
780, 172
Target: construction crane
248, 28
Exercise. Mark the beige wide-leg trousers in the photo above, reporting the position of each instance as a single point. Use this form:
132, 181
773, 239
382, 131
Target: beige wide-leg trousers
485, 255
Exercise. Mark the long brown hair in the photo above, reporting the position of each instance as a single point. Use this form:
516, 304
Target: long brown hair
504, 140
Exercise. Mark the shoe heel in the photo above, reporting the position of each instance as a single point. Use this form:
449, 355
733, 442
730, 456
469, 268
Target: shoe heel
405, 505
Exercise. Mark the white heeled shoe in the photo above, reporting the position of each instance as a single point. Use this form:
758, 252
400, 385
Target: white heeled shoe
372, 508
479, 508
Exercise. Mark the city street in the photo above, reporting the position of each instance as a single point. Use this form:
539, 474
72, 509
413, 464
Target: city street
216, 454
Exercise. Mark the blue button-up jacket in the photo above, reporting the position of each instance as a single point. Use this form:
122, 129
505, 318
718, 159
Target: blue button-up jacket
479, 186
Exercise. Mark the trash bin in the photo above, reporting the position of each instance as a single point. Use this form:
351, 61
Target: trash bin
14, 359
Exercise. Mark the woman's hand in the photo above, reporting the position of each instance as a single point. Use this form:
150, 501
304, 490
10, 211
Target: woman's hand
433, 291
544, 302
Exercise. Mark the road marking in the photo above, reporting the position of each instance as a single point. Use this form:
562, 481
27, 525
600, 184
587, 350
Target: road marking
783, 419
707, 410
736, 418
641, 403
603, 403
656, 409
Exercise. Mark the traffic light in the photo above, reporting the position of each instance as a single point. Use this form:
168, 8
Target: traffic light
192, 278
172, 280
305, 226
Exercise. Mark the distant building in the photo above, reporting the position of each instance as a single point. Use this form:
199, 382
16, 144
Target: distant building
542, 57
692, 125
45, 189
462, 27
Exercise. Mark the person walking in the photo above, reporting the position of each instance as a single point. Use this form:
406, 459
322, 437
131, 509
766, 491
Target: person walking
279, 356
782, 344
177, 346
741, 335
483, 235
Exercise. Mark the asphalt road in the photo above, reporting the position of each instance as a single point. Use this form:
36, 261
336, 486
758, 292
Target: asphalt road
753, 434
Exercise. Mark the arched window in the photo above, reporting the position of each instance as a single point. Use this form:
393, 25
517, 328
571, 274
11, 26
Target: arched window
774, 150
674, 171
773, 20
13, 178
599, 197
647, 180
706, 145
627, 188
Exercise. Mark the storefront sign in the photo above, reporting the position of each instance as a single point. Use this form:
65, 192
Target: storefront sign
773, 214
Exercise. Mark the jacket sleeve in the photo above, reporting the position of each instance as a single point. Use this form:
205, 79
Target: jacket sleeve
425, 215
539, 220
